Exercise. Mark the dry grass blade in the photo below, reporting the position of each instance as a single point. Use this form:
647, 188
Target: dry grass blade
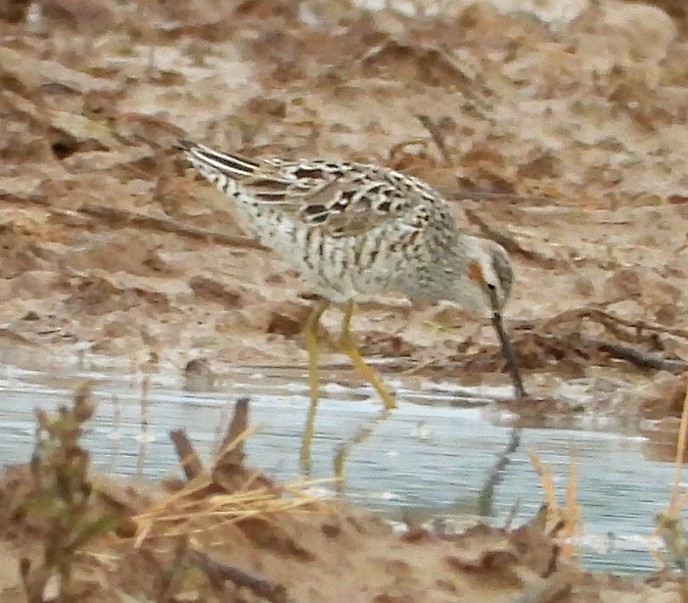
562, 523
198, 506
669, 523
190, 511
544, 473
223, 494
680, 451
571, 526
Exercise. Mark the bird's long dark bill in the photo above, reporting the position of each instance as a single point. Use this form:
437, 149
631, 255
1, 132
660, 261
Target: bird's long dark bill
509, 354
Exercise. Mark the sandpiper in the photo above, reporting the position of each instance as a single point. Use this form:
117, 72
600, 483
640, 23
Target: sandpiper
352, 229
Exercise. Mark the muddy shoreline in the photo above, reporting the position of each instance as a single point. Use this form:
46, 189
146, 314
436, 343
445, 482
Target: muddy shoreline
558, 130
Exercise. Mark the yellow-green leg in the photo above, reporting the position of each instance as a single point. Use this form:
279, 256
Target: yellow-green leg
310, 332
349, 347
364, 432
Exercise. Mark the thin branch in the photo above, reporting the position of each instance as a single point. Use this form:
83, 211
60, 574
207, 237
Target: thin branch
219, 572
639, 358
510, 243
232, 449
437, 137
130, 218
230, 457
119, 218
606, 318
479, 195
188, 458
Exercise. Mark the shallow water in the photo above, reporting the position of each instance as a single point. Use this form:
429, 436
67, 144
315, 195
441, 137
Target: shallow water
429, 459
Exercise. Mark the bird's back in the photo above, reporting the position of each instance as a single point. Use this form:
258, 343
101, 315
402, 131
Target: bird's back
349, 227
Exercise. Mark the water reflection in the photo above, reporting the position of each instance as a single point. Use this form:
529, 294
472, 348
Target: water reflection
426, 459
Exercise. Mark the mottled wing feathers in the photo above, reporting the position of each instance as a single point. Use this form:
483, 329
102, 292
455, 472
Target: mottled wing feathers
340, 198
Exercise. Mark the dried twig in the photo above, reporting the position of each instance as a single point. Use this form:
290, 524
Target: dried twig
457, 194
610, 320
437, 137
219, 572
230, 457
639, 358
510, 243
130, 218
122, 219
430, 55
616, 324
188, 458
231, 453
591, 347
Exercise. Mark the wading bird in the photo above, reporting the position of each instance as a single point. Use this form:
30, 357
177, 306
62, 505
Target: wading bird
354, 229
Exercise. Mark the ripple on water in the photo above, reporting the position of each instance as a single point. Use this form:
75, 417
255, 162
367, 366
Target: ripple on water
429, 459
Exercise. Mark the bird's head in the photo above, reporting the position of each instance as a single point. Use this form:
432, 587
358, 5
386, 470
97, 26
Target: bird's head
489, 268
485, 276
487, 287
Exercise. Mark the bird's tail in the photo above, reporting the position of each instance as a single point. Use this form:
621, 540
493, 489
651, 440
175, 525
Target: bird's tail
209, 162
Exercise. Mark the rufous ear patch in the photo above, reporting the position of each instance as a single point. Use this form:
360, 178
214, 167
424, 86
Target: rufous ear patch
475, 273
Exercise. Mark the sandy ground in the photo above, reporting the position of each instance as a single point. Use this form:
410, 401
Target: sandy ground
557, 128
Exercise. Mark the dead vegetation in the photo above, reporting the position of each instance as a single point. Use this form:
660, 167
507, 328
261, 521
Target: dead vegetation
226, 533
60, 500
473, 98
75, 532
557, 128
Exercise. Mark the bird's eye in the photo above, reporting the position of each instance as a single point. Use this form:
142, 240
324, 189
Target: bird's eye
491, 286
